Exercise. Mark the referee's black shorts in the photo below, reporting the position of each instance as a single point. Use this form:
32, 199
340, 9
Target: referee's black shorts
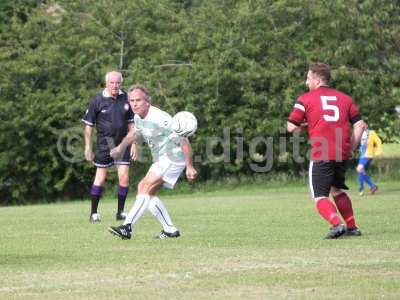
102, 158
323, 175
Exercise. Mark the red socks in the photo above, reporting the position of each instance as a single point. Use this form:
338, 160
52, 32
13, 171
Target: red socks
343, 203
328, 211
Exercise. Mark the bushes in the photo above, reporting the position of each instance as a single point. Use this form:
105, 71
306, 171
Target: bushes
238, 65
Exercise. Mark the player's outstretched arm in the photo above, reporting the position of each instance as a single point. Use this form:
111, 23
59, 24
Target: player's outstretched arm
292, 128
128, 140
133, 153
191, 172
358, 129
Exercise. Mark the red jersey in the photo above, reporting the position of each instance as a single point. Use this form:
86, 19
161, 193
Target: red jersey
328, 113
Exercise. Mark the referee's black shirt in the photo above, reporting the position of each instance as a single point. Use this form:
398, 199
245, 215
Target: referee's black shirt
111, 117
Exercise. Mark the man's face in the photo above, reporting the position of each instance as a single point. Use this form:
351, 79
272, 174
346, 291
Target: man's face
312, 81
113, 84
139, 105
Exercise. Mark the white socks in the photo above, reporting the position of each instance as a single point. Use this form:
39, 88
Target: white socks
157, 208
138, 209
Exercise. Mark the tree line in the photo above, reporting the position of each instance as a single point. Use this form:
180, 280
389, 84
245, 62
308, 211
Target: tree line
237, 65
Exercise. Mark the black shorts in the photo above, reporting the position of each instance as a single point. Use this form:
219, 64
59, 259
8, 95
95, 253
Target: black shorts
325, 174
102, 158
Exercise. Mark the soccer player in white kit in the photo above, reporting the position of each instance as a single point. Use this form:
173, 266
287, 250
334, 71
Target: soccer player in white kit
171, 155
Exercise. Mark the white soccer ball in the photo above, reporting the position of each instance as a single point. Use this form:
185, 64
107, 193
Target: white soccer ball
184, 123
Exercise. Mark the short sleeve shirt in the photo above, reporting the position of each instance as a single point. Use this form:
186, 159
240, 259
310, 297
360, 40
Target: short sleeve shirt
155, 130
110, 116
329, 114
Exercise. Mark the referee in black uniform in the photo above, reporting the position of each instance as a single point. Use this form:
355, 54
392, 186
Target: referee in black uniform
112, 115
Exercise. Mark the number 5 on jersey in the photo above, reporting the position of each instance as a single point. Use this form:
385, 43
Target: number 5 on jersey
331, 107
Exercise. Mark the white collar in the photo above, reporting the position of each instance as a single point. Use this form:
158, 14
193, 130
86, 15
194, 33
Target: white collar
151, 108
106, 94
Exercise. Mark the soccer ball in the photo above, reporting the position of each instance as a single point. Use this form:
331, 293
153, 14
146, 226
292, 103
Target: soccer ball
184, 123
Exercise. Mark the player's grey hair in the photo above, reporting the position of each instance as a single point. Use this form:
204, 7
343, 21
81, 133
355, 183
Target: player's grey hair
141, 88
119, 73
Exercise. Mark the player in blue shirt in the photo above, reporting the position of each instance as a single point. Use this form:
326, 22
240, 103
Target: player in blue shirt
371, 146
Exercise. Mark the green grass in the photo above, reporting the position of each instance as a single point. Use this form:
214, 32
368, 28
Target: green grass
387, 165
254, 242
391, 151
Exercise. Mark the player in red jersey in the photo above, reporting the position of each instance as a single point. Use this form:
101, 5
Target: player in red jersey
328, 115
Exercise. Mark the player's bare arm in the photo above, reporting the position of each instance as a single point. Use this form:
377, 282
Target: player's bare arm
292, 128
133, 153
191, 172
88, 143
128, 140
358, 129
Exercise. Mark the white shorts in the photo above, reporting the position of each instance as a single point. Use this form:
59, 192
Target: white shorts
168, 170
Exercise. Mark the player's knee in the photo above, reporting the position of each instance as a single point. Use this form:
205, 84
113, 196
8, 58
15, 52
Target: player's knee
360, 169
143, 187
336, 192
316, 199
100, 178
99, 181
139, 186
124, 180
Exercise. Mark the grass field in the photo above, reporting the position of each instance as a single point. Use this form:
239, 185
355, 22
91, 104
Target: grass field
391, 151
246, 243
